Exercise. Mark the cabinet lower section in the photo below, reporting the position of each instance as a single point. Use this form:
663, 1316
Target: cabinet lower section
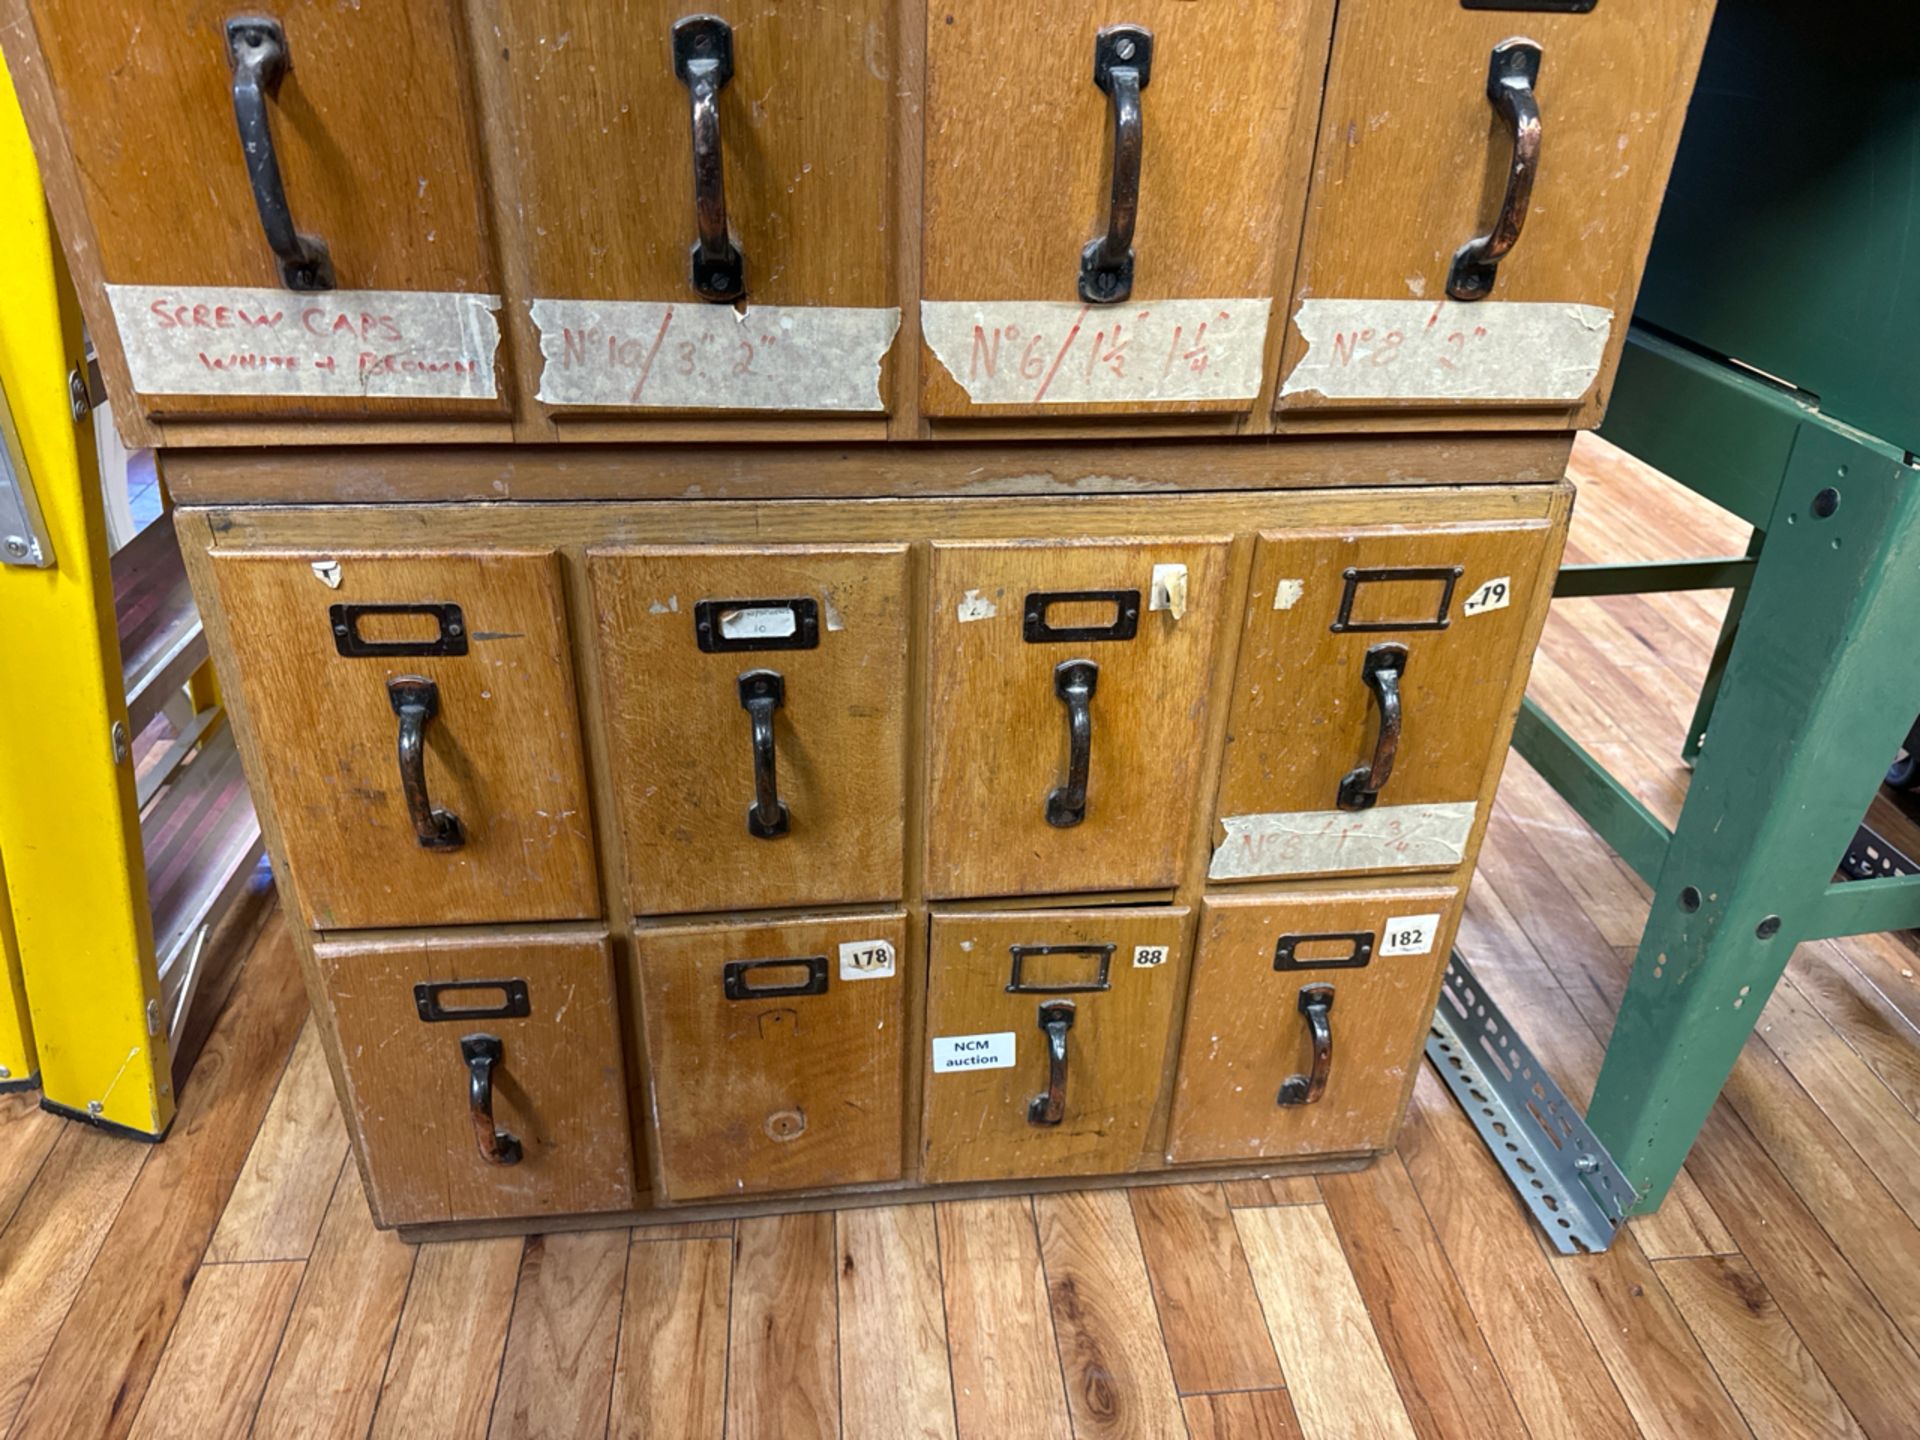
666, 857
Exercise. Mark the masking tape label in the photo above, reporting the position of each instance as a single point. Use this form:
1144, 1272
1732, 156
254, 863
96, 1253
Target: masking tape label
1307, 842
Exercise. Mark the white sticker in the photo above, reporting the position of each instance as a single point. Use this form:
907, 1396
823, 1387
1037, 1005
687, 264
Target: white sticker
866, 960
1287, 594
712, 357
1146, 957
1168, 590
1496, 594
1307, 842
974, 606
759, 622
1409, 935
972, 1052
241, 340
1050, 352
1446, 350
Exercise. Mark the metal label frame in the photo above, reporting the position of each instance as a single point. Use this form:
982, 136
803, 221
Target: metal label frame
734, 978
1125, 624
707, 630
1016, 981
1447, 575
345, 621
1286, 954
516, 1006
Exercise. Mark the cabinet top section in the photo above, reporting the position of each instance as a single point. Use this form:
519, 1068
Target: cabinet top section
468, 221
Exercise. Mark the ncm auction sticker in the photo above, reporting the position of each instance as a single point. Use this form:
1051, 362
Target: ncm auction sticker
972, 1052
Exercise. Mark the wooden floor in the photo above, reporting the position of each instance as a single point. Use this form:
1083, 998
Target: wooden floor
229, 1280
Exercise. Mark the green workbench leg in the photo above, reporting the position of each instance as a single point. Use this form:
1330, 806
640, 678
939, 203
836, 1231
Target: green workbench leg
1717, 667
1819, 690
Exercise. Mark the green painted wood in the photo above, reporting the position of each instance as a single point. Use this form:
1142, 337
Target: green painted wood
1790, 236
1603, 802
1577, 582
1819, 690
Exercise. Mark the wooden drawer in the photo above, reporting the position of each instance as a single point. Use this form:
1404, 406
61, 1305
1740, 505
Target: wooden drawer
1019, 185
701, 645
1343, 629
1048, 1039
413, 719
399, 321
632, 312
1412, 164
437, 1032
1367, 965
1047, 650
775, 1050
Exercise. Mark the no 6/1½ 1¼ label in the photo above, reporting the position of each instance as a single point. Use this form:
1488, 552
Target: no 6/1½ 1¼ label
866, 959
973, 1052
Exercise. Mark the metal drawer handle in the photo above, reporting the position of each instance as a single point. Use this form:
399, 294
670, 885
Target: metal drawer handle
1056, 1018
703, 59
1511, 76
1316, 1003
416, 700
482, 1053
761, 693
1382, 670
1122, 65
257, 51
1074, 682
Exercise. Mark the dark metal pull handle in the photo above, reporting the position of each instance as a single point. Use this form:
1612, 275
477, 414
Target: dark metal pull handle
1382, 670
1074, 682
1122, 65
1511, 76
482, 1053
257, 51
1056, 1018
703, 59
761, 693
1316, 1003
416, 700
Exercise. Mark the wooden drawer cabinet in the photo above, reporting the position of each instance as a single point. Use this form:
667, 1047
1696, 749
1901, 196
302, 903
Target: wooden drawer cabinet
1372, 693
413, 715
482, 1074
774, 1051
1066, 685
1305, 1021
380, 299
1484, 191
1048, 1035
1045, 299
728, 671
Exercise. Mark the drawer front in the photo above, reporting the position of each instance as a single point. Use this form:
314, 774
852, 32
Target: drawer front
483, 1074
1252, 1082
1020, 180
1345, 631
1065, 711
804, 124
1413, 164
1048, 1035
725, 671
774, 1051
413, 718
147, 96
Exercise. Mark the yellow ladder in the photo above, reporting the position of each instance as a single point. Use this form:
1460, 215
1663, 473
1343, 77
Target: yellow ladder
117, 865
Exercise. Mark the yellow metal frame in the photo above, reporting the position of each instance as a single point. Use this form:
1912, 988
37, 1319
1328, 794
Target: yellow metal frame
19, 1070
69, 823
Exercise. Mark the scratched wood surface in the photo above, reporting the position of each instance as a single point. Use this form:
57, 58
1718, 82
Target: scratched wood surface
502, 753
146, 113
681, 741
1412, 161
1773, 1295
1245, 1033
1013, 114
559, 1086
976, 1119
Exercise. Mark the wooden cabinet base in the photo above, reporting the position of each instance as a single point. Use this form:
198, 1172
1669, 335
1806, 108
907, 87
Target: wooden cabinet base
861, 1197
